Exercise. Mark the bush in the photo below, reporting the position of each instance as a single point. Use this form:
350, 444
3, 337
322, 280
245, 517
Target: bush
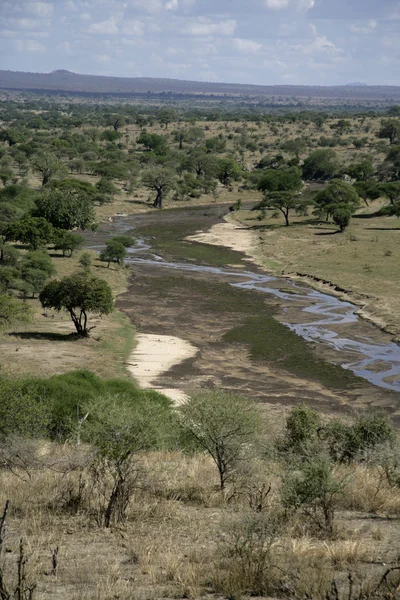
302, 429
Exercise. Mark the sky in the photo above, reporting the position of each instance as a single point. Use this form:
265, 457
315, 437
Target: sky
302, 42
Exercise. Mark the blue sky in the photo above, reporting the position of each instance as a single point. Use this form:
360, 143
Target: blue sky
310, 42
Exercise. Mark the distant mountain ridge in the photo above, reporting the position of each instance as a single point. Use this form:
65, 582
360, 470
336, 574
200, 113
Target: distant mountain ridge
66, 81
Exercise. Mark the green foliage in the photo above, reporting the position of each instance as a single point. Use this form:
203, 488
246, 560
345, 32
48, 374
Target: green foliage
8, 254
280, 180
361, 171
125, 240
78, 294
86, 261
67, 242
31, 231
321, 164
341, 216
228, 170
390, 129
111, 135
337, 196
367, 190
160, 179
347, 442
223, 425
12, 311
153, 142
38, 260
49, 167
314, 488
115, 251
66, 209
302, 429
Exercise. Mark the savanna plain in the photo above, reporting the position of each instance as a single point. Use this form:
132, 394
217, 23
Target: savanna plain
275, 472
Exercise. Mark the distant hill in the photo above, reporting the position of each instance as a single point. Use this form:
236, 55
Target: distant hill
66, 81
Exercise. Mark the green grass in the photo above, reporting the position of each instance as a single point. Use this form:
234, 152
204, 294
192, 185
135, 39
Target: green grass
169, 240
268, 340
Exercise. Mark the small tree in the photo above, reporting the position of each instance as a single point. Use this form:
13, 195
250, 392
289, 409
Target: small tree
314, 488
12, 310
159, 179
336, 194
121, 428
114, 251
321, 164
341, 216
367, 190
86, 261
223, 425
78, 294
67, 242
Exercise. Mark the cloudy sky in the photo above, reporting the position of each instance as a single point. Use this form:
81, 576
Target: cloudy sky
323, 42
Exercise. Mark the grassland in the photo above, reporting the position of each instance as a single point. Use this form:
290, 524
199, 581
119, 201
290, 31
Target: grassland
363, 260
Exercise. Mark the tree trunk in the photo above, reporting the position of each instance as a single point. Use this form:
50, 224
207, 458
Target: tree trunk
45, 178
159, 198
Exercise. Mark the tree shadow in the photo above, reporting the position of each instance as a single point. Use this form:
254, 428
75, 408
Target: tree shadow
383, 229
328, 232
49, 336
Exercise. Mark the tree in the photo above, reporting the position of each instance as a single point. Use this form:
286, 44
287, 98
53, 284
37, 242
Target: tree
166, 116
341, 216
223, 425
285, 202
32, 231
86, 261
390, 129
201, 163
367, 190
336, 194
49, 167
227, 169
67, 242
321, 164
392, 191
66, 209
296, 147
314, 488
160, 179
280, 180
114, 251
153, 142
8, 254
78, 294
121, 428
12, 310
361, 171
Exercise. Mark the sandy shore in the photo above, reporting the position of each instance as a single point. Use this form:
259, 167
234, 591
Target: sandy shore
156, 354
230, 235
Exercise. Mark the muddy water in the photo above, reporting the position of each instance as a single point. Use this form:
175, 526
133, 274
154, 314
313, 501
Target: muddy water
325, 321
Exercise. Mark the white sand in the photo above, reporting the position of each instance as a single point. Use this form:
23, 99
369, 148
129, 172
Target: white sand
227, 234
156, 354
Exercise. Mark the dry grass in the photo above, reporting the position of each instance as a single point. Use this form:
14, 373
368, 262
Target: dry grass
170, 545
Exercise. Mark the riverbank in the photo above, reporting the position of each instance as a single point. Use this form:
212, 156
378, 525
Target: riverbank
358, 266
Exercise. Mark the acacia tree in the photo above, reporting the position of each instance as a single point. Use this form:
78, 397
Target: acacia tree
367, 190
32, 231
390, 129
66, 209
159, 179
49, 167
223, 425
78, 294
336, 193
285, 202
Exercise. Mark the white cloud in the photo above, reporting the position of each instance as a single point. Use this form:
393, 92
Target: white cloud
39, 9
205, 27
70, 5
368, 27
172, 5
29, 46
65, 47
147, 6
246, 46
26, 24
133, 28
85, 17
108, 27
276, 4
103, 59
